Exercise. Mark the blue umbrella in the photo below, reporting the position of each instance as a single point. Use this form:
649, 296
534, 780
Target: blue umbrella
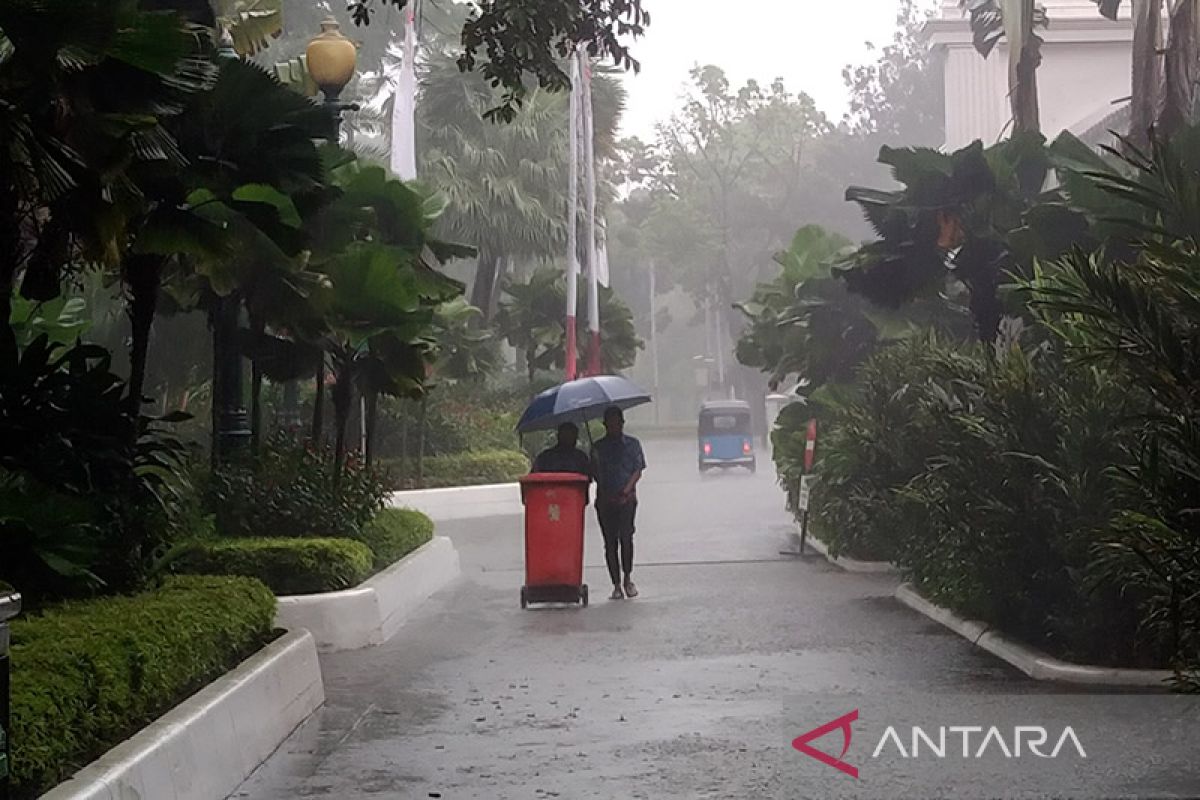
578, 401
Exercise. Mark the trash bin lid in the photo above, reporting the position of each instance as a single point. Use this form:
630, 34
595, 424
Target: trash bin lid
554, 477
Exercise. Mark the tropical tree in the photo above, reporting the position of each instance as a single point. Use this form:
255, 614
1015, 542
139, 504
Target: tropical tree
804, 322
1137, 314
505, 184
531, 319
1017, 22
229, 220
375, 246
72, 147
966, 220
506, 40
1165, 73
251, 24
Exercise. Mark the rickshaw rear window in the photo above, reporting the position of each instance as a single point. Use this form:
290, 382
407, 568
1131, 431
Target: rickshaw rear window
724, 423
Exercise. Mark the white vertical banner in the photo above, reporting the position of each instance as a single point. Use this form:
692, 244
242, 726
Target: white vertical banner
602, 254
589, 163
404, 107
573, 131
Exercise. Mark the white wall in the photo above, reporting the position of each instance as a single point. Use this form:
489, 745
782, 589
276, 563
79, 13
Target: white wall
1086, 63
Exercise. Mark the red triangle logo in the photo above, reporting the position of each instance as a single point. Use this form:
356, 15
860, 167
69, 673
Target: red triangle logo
842, 723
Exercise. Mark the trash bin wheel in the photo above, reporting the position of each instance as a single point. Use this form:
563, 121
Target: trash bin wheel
583, 595
524, 598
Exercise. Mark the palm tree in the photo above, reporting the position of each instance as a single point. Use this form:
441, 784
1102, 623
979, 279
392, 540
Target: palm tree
505, 183
72, 143
251, 24
229, 220
374, 245
531, 319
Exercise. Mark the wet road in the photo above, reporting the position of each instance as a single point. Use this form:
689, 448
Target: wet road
697, 688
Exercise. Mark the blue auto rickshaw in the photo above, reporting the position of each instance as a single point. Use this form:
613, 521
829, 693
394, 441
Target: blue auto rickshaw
725, 435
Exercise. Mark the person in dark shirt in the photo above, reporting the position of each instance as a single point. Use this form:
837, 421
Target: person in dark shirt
564, 456
617, 464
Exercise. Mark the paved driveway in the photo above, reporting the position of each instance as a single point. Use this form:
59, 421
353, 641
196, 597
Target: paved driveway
697, 688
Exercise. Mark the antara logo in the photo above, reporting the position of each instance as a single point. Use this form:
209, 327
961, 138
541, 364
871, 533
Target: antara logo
1025, 739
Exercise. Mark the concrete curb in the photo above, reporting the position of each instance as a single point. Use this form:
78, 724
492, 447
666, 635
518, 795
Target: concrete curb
847, 564
1033, 663
373, 611
207, 745
462, 502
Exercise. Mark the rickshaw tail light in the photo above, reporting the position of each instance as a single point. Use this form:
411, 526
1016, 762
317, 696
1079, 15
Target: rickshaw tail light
708, 448
746, 447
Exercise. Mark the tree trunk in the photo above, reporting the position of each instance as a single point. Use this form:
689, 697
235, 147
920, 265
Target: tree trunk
530, 364
421, 420
493, 300
256, 386
1147, 89
343, 400
141, 275
403, 465
372, 417
8, 338
485, 280
1022, 77
1182, 69
216, 393
10, 257
318, 418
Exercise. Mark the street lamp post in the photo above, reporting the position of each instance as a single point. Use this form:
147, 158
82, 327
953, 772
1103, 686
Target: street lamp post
232, 420
331, 58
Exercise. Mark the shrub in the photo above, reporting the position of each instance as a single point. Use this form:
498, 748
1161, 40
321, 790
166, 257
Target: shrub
88, 674
457, 419
82, 479
287, 566
986, 477
395, 533
288, 490
871, 445
470, 469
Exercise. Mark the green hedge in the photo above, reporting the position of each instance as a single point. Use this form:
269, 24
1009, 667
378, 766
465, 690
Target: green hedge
88, 674
394, 533
463, 469
287, 566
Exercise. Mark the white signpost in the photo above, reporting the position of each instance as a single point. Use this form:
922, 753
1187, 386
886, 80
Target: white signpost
806, 484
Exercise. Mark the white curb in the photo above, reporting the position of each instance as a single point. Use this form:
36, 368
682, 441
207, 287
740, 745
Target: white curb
462, 502
373, 611
207, 745
847, 564
1033, 663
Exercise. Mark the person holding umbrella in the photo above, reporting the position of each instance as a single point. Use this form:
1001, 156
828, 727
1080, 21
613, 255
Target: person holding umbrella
564, 456
617, 460
617, 466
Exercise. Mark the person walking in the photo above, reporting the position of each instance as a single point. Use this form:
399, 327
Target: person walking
564, 456
617, 466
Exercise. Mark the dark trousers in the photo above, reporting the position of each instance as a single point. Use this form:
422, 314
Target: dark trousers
617, 525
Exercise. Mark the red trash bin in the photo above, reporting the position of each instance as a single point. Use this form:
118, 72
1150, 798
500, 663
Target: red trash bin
554, 505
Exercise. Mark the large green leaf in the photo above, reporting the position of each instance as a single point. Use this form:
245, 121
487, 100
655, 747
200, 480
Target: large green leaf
251, 23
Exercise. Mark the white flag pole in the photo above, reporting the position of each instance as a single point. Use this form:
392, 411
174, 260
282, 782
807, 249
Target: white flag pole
404, 107
589, 147
573, 127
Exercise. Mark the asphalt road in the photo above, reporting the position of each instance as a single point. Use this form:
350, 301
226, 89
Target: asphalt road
697, 688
